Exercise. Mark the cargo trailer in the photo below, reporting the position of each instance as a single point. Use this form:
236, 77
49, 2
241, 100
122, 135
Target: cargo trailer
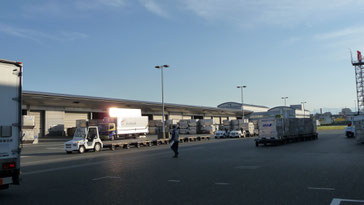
10, 122
284, 130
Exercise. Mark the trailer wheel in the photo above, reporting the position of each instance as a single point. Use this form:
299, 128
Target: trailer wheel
97, 147
81, 150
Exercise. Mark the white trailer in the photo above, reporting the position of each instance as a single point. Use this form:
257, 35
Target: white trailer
10, 122
281, 131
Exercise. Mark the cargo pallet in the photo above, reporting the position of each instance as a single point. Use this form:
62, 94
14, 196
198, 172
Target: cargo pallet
286, 139
115, 144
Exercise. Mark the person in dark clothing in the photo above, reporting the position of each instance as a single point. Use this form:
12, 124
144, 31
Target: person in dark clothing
174, 141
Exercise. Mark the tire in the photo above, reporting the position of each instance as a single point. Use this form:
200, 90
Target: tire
69, 152
256, 144
97, 147
81, 150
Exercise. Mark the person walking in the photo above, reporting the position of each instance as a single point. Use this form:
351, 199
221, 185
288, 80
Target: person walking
174, 141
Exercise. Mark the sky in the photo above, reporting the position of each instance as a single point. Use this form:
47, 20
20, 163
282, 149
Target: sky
108, 48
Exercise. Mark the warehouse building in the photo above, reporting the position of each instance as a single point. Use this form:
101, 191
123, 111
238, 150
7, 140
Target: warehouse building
293, 111
247, 107
54, 113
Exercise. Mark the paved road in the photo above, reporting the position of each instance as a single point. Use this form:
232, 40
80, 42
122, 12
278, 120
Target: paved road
215, 172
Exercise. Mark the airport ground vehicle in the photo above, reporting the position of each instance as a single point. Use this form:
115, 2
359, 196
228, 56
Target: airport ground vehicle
10, 122
350, 130
84, 139
284, 130
221, 134
237, 134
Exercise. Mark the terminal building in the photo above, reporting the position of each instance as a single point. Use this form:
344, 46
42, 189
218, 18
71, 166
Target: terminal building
54, 113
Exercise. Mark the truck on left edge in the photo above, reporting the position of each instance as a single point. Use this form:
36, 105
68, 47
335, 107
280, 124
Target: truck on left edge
10, 122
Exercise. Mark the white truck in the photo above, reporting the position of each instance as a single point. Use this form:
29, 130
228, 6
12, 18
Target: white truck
85, 138
10, 122
283, 130
128, 122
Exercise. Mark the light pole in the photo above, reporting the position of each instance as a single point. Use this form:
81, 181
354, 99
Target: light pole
304, 111
161, 67
285, 100
242, 98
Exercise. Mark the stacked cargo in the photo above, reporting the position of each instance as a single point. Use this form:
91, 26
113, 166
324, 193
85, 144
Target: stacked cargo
183, 126
205, 126
226, 125
154, 126
249, 128
192, 127
28, 129
359, 130
187, 126
236, 124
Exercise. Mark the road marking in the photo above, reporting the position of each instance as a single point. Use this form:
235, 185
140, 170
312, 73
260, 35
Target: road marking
336, 201
174, 180
106, 177
222, 183
247, 167
321, 188
61, 168
25, 156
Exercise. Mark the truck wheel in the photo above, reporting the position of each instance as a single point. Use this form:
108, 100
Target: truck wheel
69, 152
5, 186
81, 149
97, 147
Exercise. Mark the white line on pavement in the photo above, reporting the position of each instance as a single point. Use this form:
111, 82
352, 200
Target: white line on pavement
174, 180
106, 177
321, 188
25, 156
336, 201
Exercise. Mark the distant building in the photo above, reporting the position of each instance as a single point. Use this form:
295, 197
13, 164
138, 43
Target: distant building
346, 112
293, 111
247, 107
325, 119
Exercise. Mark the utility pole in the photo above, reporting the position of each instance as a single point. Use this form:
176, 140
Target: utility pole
163, 123
242, 99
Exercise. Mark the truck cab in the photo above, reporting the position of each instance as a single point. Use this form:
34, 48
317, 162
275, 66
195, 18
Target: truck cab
84, 139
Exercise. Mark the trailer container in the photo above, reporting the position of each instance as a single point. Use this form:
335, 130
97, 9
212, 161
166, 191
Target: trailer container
10, 122
281, 131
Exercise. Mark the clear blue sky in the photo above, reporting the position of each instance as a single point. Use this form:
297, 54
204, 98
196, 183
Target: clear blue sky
109, 48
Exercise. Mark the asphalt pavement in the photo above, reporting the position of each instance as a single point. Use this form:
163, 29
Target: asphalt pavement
226, 171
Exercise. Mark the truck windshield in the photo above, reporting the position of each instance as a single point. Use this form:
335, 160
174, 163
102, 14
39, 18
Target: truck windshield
80, 133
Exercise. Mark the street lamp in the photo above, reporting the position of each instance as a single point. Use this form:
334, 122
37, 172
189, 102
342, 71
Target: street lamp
304, 111
285, 100
161, 68
242, 98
